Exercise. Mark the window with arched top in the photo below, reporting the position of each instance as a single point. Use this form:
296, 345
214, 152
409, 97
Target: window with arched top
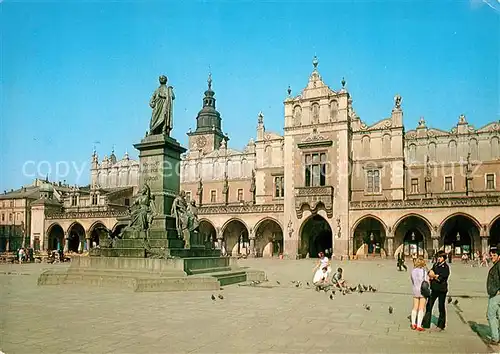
412, 153
315, 113
297, 115
386, 145
334, 108
365, 144
495, 148
473, 149
432, 151
452, 150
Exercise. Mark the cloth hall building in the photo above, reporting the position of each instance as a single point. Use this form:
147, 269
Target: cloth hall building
329, 182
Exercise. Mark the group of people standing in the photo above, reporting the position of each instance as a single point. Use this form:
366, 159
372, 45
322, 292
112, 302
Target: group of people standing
435, 280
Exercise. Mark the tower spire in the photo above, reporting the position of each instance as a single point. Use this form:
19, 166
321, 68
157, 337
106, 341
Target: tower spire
209, 80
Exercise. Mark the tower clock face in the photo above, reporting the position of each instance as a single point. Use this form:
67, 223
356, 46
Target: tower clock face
201, 141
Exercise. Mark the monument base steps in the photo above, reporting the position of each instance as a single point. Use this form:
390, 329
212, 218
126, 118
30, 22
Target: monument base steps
148, 274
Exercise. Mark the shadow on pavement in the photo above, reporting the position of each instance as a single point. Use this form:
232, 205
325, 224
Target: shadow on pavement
483, 331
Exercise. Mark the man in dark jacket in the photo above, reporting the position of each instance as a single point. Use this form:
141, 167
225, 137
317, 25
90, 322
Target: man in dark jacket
493, 288
438, 277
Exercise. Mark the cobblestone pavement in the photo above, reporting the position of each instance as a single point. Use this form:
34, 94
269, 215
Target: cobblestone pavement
275, 318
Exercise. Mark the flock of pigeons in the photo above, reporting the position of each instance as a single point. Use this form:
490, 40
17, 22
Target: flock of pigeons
360, 288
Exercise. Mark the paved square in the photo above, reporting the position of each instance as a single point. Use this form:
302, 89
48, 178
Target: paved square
275, 318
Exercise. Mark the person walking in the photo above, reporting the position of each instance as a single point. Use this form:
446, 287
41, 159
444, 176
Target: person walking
418, 276
493, 289
438, 276
401, 262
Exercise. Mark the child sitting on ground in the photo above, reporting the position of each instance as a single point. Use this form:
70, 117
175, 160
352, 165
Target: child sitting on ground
321, 279
338, 280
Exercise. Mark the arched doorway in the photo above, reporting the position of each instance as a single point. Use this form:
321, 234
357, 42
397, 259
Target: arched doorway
268, 238
369, 237
460, 235
117, 229
316, 236
412, 236
208, 233
55, 238
235, 238
76, 236
494, 239
97, 231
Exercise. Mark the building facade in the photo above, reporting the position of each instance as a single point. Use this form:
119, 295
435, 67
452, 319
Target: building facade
329, 181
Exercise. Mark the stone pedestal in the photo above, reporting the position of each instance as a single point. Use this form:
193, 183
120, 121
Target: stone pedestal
159, 160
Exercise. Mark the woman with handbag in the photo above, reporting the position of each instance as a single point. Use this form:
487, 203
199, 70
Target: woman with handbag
421, 290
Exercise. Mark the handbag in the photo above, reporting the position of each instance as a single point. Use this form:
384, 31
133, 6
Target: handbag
425, 288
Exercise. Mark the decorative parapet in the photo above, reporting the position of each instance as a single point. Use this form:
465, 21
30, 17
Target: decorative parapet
427, 203
314, 139
312, 198
240, 209
88, 214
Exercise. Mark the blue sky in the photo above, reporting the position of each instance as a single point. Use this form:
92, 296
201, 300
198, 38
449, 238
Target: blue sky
80, 72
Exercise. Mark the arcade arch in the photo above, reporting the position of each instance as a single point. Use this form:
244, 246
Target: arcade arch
76, 237
494, 239
412, 235
55, 237
208, 232
96, 231
268, 238
235, 238
316, 236
369, 236
460, 234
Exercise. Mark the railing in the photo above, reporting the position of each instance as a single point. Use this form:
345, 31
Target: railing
313, 191
240, 209
87, 214
427, 203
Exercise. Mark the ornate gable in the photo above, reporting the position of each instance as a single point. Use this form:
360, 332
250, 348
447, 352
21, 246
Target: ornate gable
382, 124
493, 127
315, 88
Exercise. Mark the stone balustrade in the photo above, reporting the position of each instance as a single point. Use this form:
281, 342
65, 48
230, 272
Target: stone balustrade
427, 203
87, 214
240, 209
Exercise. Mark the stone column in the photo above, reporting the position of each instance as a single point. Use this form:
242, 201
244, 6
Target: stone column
435, 243
66, 243
87, 244
80, 246
390, 245
484, 245
218, 236
252, 246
